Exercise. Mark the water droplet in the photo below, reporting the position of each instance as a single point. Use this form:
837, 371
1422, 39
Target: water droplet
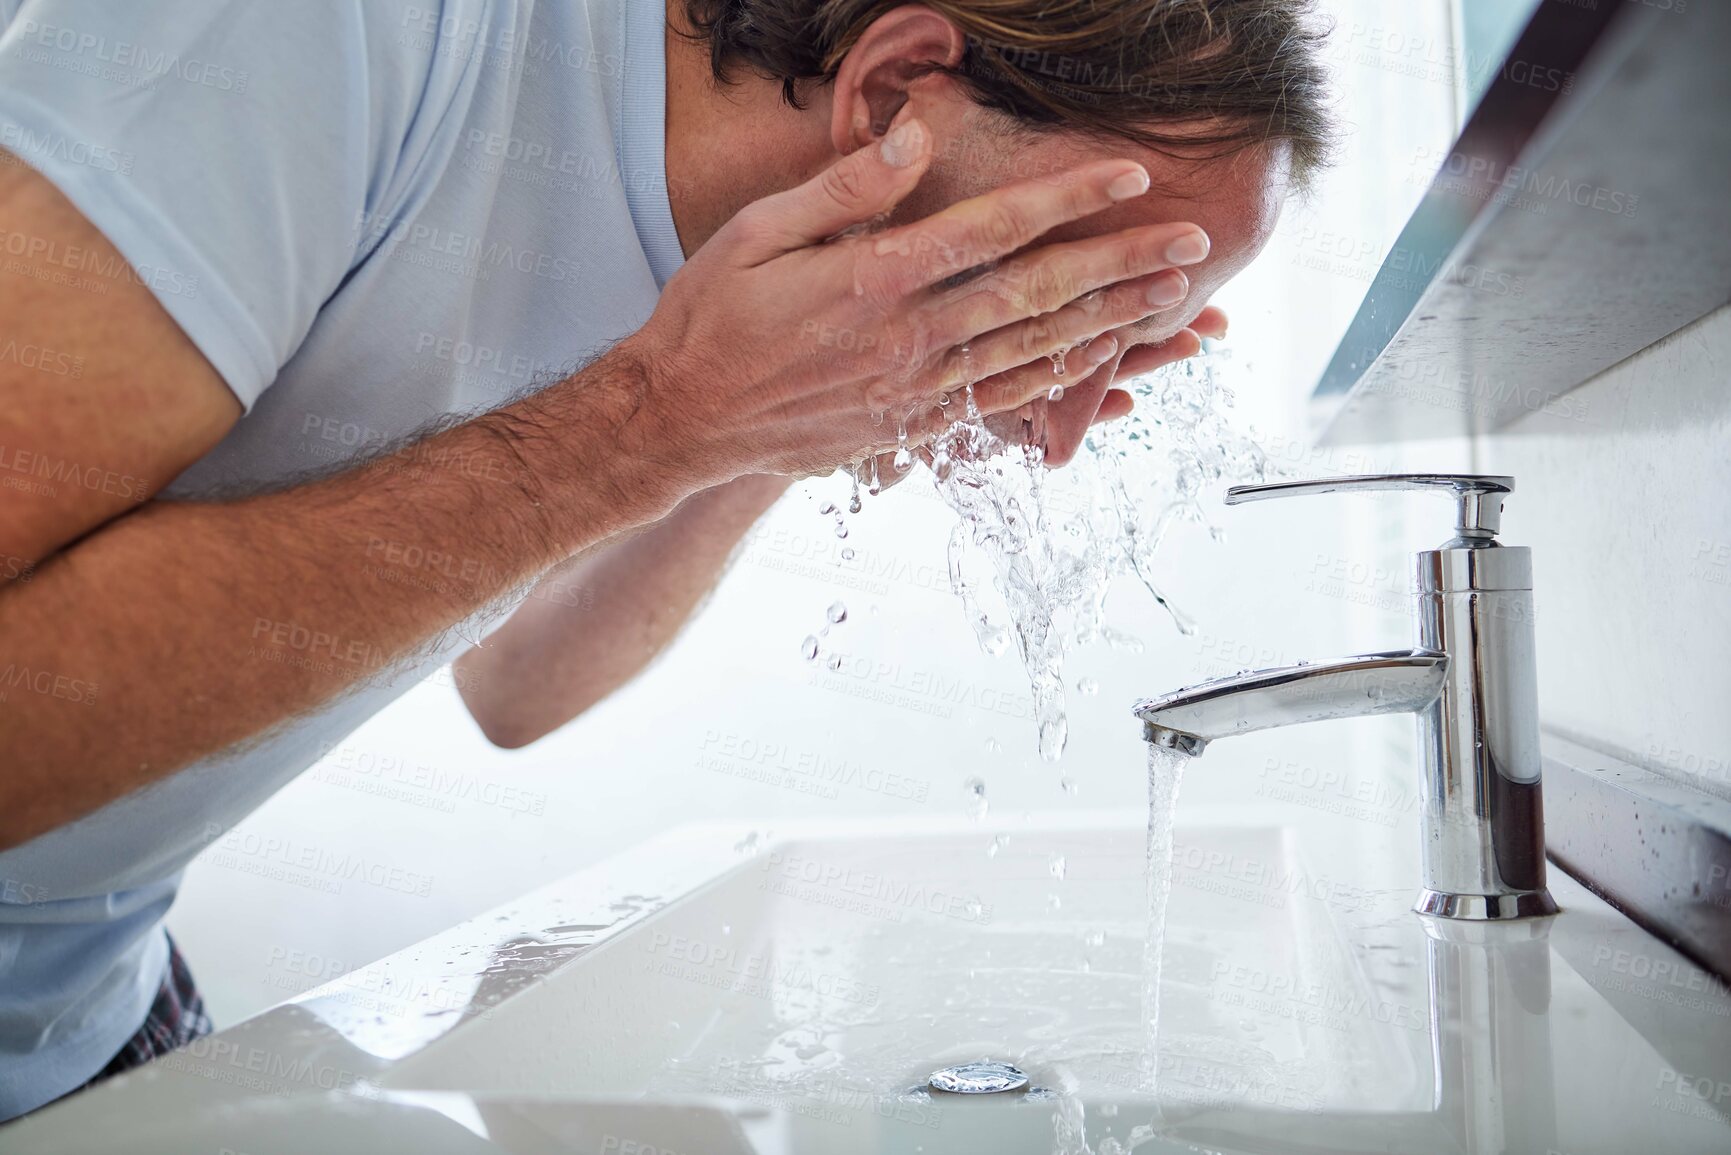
847, 554
808, 648
837, 613
840, 529
1069, 785
835, 661
1056, 394
1056, 866
903, 460
827, 507
1054, 735
974, 791
1058, 363
1087, 686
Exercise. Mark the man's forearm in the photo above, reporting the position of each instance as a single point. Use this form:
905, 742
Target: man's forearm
187, 627
592, 625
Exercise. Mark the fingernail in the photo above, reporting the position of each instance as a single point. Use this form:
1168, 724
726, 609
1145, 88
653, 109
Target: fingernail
1189, 248
1103, 347
1168, 289
1126, 185
902, 146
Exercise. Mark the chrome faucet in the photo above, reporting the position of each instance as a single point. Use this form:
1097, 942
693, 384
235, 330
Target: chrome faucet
1472, 682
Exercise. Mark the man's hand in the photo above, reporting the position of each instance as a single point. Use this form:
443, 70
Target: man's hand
783, 347
1099, 399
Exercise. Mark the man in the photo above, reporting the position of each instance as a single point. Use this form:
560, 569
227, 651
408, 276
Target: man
290, 303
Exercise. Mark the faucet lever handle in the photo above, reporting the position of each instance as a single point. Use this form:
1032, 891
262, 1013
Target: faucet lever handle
1478, 497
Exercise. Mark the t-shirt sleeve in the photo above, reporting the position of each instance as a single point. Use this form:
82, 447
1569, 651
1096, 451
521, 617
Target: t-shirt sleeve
233, 151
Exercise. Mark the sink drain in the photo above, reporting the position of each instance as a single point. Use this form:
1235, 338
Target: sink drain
978, 1079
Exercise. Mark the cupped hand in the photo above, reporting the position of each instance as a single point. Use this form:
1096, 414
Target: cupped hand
1062, 425
799, 338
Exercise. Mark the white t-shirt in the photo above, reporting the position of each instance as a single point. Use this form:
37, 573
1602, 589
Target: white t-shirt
367, 214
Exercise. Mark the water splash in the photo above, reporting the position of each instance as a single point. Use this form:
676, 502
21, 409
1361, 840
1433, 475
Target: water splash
1054, 541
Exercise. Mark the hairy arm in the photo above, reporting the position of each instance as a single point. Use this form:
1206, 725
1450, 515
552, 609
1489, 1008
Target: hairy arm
139, 638
151, 635
594, 623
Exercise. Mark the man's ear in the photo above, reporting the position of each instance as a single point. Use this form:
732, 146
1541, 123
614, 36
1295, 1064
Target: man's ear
875, 76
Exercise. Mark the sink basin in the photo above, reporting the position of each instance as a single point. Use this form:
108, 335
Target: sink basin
720, 991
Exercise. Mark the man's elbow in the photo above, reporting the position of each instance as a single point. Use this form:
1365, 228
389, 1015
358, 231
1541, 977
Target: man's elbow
506, 728
514, 725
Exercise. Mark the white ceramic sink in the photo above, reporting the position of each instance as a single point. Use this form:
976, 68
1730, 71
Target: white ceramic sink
721, 992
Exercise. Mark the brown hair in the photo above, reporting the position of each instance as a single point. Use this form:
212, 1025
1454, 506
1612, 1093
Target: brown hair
1177, 75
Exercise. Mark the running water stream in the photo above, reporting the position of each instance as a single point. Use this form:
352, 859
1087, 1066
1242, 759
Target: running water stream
1165, 776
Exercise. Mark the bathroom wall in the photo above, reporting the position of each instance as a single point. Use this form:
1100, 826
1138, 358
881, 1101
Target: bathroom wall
1625, 497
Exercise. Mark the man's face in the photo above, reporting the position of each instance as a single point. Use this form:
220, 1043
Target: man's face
1236, 201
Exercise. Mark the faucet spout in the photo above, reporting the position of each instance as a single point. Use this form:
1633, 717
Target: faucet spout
1396, 682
